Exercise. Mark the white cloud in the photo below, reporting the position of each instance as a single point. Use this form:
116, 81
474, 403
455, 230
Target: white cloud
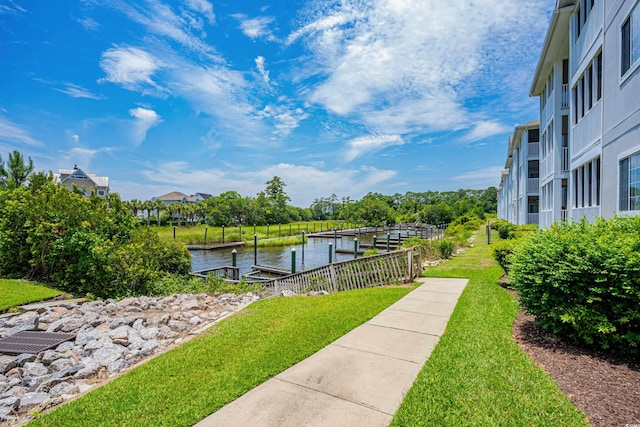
485, 129
480, 178
160, 19
255, 28
261, 70
369, 144
76, 91
13, 133
204, 7
75, 137
412, 65
129, 66
88, 24
10, 6
144, 120
303, 183
284, 118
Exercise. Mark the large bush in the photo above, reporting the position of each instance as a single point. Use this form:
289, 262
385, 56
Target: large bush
582, 282
82, 244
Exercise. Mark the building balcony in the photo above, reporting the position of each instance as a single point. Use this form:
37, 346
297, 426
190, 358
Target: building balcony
565, 96
533, 218
533, 185
533, 149
565, 159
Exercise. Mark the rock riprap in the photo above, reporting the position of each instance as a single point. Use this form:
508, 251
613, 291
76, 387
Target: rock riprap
110, 337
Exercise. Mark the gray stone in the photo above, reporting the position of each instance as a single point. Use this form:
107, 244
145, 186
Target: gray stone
70, 371
288, 293
117, 365
13, 403
84, 336
33, 398
117, 322
30, 382
72, 325
29, 324
195, 320
34, 369
56, 326
190, 306
23, 358
96, 344
65, 346
93, 319
177, 326
106, 355
90, 368
149, 347
137, 324
149, 333
63, 388
7, 365
50, 356
121, 332
60, 365
4, 415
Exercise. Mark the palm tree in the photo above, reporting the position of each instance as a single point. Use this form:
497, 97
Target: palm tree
16, 171
148, 206
159, 206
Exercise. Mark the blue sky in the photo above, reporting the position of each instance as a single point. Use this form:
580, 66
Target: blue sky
342, 97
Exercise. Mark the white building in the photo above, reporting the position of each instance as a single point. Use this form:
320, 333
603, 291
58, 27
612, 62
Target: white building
88, 182
518, 193
588, 83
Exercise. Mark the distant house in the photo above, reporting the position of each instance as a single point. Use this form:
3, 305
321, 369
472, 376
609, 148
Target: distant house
86, 181
175, 197
202, 196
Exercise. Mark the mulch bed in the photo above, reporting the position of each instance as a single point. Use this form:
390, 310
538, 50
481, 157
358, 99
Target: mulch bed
604, 388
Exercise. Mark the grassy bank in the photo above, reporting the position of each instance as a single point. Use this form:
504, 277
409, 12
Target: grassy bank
185, 385
196, 234
477, 375
19, 292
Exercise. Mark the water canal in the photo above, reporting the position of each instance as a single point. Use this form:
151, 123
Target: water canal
315, 252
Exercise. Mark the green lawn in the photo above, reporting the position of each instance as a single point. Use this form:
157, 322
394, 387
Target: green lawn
477, 375
185, 385
19, 292
195, 234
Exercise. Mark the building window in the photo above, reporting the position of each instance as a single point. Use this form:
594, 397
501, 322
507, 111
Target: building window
599, 75
630, 41
101, 193
630, 183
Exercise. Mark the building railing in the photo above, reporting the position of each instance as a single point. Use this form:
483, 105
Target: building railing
564, 214
533, 218
565, 159
533, 185
565, 95
533, 149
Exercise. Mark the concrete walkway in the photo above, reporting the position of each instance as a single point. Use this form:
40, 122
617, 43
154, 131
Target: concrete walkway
359, 379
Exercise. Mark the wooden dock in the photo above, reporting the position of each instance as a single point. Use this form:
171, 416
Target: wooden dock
214, 246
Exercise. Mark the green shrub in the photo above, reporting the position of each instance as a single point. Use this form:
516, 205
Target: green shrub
582, 282
444, 248
82, 244
460, 232
502, 251
370, 252
505, 230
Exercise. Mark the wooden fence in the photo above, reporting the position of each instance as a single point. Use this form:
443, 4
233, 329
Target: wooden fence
227, 272
401, 266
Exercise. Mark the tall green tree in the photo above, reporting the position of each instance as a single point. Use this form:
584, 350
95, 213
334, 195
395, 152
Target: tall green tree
16, 172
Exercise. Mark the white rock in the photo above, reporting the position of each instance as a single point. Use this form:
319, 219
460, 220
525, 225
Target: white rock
33, 398
34, 369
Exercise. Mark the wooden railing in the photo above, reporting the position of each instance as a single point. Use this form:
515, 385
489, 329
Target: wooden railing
401, 266
227, 272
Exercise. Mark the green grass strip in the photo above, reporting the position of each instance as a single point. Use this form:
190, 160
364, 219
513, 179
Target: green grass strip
19, 292
477, 375
183, 386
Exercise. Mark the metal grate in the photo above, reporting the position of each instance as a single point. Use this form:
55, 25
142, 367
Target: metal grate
32, 342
